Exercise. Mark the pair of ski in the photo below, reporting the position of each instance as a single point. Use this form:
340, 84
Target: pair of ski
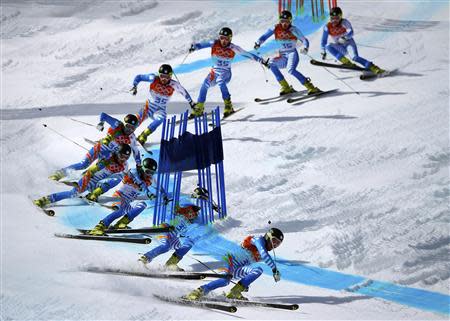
366, 74
226, 305
295, 97
84, 235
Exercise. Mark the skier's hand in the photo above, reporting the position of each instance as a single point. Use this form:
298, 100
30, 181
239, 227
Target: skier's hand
276, 275
192, 104
257, 45
166, 200
192, 48
324, 55
100, 126
304, 50
265, 63
342, 40
133, 90
151, 196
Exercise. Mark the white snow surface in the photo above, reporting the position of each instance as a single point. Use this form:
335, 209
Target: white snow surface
358, 183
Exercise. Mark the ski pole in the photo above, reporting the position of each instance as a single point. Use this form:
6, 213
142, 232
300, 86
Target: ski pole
337, 77
79, 121
46, 126
263, 68
205, 265
185, 57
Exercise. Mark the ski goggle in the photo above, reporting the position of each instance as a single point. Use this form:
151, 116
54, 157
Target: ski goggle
222, 37
148, 171
165, 76
285, 21
130, 126
275, 242
335, 18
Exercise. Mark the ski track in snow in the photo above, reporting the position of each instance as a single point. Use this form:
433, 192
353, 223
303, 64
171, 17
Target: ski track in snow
360, 184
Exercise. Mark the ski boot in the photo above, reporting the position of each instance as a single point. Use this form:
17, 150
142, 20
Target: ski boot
145, 260
198, 110
99, 229
142, 138
93, 196
228, 108
42, 202
56, 176
285, 88
122, 223
311, 88
236, 292
376, 70
346, 62
194, 295
171, 264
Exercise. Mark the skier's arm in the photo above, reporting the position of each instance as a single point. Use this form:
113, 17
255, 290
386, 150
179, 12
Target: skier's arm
265, 36
145, 77
181, 90
324, 40
246, 54
348, 26
300, 36
202, 45
113, 122
135, 149
259, 243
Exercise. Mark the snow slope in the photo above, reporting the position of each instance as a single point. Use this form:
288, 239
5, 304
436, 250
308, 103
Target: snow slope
359, 183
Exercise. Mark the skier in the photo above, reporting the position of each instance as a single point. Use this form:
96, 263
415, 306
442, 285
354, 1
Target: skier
185, 218
341, 32
134, 182
118, 133
114, 163
287, 36
255, 249
162, 87
223, 52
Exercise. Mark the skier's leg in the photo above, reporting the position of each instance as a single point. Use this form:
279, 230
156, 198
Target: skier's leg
339, 52
248, 274
366, 63
210, 81
56, 197
104, 186
208, 287
276, 64
292, 64
100, 228
142, 138
222, 80
164, 247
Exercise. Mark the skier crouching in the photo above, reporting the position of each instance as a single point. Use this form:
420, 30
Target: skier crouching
94, 177
341, 31
134, 182
184, 219
239, 266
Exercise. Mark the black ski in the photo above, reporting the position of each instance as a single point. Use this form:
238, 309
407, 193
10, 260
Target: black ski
280, 97
104, 238
156, 275
199, 303
326, 64
305, 97
367, 75
284, 306
48, 212
149, 230
89, 202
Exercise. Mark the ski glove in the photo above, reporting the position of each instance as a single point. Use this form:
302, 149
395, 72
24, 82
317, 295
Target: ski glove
192, 104
100, 126
265, 63
166, 200
133, 90
324, 55
276, 275
150, 195
256, 46
342, 40
304, 50
192, 49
